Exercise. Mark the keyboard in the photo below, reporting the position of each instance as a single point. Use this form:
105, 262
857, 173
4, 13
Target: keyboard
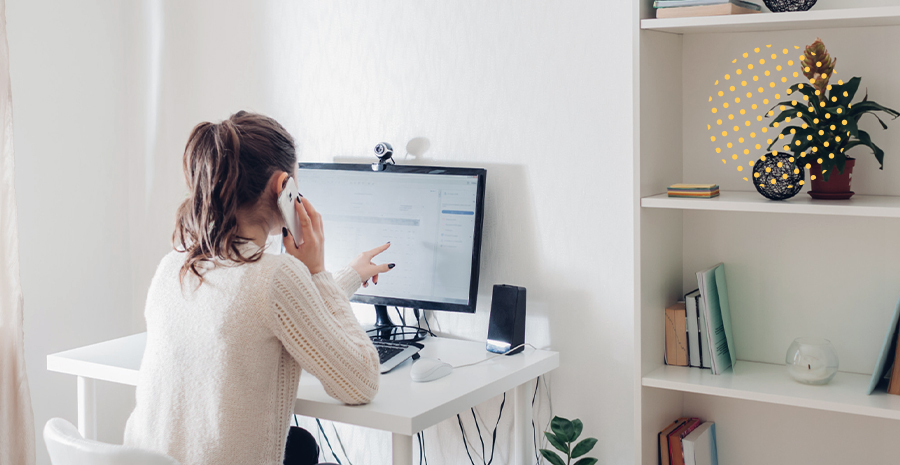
391, 354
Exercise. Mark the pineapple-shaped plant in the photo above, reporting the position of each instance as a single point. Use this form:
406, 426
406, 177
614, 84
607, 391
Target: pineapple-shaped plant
825, 119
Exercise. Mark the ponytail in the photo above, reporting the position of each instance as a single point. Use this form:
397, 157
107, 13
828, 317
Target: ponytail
226, 167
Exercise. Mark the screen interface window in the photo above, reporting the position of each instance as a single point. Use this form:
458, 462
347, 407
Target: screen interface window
429, 219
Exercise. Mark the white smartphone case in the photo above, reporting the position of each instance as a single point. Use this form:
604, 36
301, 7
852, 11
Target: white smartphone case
286, 204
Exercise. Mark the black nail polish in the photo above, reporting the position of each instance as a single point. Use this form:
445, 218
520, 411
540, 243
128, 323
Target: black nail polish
298, 198
391, 266
389, 242
301, 195
283, 232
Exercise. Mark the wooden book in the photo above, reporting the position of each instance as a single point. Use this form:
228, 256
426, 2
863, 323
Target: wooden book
704, 10
676, 335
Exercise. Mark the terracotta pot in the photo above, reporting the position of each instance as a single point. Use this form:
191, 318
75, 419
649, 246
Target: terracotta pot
838, 185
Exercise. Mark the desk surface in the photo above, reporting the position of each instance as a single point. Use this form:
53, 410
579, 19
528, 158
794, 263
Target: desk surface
401, 406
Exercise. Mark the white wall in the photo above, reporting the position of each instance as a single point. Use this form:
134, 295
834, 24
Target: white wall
539, 93
69, 96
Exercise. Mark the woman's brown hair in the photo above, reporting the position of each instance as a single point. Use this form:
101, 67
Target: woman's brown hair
226, 166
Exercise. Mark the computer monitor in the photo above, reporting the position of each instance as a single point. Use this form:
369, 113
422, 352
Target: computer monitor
432, 216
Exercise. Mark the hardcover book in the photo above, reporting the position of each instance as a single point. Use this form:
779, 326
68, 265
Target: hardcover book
717, 312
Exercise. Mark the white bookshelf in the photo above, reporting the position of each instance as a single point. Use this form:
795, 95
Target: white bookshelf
770, 383
761, 22
776, 252
877, 206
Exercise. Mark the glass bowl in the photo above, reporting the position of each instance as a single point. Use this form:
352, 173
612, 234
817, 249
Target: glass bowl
811, 360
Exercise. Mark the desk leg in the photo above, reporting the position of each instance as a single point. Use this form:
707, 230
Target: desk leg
87, 408
401, 449
522, 441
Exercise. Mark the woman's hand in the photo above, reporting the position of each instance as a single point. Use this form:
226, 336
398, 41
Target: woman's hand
363, 265
312, 251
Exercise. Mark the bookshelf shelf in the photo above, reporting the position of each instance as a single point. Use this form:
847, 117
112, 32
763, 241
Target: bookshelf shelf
852, 283
763, 382
815, 19
881, 206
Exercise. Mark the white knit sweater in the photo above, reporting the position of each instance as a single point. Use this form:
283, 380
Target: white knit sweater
222, 363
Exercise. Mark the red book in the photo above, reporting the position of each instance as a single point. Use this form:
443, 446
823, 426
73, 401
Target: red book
676, 452
664, 440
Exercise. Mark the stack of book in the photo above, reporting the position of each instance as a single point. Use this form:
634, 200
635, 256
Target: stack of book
686, 8
688, 441
698, 330
699, 191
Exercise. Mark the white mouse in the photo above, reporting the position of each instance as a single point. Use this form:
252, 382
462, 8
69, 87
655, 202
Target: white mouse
429, 369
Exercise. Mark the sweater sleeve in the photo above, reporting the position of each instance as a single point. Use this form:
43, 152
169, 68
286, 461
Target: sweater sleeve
312, 318
348, 280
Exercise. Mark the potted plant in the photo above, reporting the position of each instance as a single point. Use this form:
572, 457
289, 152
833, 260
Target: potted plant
826, 124
562, 435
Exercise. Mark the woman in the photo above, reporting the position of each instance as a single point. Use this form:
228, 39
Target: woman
229, 328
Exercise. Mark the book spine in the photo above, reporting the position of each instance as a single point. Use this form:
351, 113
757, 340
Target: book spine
894, 383
681, 333
671, 341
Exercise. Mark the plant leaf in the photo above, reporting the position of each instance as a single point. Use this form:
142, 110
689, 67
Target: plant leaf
555, 442
552, 457
870, 106
867, 140
850, 88
586, 461
883, 126
579, 426
583, 447
563, 428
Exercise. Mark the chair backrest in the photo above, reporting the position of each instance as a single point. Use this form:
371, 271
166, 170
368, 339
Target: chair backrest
67, 447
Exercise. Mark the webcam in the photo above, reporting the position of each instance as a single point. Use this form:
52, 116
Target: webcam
384, 152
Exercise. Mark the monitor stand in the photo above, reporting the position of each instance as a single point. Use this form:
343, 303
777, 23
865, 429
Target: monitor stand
386, 330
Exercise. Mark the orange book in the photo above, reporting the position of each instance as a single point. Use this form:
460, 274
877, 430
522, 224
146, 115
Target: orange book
676, 450
664, 439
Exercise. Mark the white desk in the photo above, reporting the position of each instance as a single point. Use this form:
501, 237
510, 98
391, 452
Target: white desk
402, 407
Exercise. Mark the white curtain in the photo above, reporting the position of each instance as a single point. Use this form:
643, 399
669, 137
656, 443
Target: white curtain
16, 417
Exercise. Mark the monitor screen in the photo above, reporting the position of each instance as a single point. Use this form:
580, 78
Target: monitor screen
432, 216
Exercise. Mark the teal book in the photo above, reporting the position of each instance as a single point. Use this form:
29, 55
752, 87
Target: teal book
886, 359
714, 298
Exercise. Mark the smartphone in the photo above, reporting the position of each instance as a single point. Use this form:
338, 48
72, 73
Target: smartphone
288, 211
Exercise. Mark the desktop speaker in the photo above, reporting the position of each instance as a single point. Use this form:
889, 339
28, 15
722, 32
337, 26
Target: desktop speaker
506, 328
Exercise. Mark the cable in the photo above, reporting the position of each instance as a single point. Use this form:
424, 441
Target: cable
478, 428
417, 335
465, 444
402, 317
419, 440
495, 356
341, 443
426, 322
424, 454
537, 458
295, 422
336, 459
496, 425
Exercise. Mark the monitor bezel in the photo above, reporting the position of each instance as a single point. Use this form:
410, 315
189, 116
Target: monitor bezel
481, 174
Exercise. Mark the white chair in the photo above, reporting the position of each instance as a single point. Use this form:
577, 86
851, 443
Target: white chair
67, 447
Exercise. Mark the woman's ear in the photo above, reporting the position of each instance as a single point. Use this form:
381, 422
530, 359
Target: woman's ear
277, 182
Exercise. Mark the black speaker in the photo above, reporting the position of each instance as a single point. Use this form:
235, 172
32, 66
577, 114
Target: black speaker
507, 325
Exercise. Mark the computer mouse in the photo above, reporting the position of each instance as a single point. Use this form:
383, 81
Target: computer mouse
429, 369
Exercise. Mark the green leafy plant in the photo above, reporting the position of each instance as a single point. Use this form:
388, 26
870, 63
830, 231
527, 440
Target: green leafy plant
562, 435
826, 119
